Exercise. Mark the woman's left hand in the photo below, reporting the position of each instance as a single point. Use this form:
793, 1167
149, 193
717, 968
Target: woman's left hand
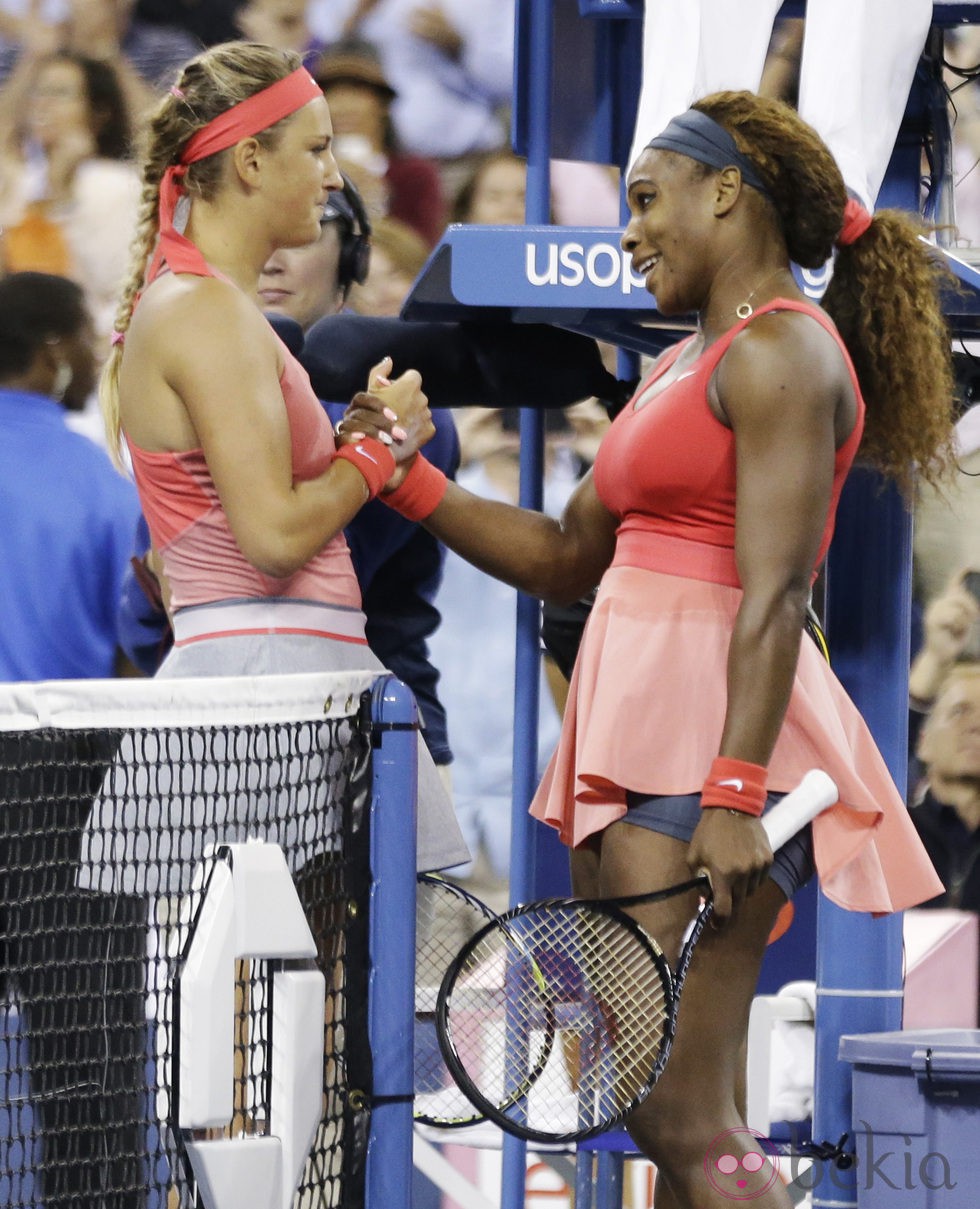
732, 848
396, 413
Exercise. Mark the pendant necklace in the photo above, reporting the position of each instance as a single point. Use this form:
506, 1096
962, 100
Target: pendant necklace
745, 309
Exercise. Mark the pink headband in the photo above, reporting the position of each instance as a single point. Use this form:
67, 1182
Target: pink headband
856, 222
248, 117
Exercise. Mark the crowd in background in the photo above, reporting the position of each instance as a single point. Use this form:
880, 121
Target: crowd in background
419, 94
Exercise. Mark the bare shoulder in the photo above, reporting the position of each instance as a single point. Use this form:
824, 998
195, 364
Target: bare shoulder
182, 319
782, 352
196, 348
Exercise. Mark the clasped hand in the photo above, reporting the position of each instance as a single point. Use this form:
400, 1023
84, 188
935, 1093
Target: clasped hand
393, 411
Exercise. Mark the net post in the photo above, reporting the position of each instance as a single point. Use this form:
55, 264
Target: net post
394, 717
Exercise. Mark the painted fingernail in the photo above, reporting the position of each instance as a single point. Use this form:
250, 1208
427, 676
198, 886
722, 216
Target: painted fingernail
390, 415
384, 437
356, 436
399, 433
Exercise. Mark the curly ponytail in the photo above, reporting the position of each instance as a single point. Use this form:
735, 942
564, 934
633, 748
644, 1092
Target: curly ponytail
884, 295
884, 298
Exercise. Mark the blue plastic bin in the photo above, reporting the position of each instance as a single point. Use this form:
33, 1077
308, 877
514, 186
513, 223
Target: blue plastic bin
916, 1118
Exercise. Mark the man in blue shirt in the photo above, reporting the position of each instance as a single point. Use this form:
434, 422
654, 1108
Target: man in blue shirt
72, 960
66, 515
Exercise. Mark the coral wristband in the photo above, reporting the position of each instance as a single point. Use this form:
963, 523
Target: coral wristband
421, 493
735, 784
372, 459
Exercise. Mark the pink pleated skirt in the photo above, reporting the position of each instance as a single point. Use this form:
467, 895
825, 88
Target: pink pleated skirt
645, 712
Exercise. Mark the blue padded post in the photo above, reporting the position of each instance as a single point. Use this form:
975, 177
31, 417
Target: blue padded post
869, 621
391, 987
537, 14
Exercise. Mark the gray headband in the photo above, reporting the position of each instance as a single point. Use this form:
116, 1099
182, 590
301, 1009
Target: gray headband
701, 138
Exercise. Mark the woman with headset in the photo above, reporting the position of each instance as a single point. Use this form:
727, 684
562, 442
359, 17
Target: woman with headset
398, 564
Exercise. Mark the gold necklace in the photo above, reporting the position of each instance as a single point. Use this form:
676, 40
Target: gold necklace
745, 309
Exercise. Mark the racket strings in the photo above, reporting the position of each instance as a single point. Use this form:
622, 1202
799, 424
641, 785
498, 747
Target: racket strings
633, 1010
567, 973
446, 918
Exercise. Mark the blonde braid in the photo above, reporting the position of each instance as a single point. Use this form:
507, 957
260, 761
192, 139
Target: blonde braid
139, 254
208, 85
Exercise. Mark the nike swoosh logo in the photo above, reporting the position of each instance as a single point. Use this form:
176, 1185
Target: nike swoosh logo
364, 454
735, 783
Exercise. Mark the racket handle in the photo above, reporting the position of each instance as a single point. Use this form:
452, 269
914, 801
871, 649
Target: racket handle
800, 806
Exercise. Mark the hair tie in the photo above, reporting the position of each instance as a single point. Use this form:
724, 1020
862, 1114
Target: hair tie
856, 221
117, 338
177, 92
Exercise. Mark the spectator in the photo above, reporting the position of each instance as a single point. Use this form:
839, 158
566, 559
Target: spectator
397, 257
450, 62
495, 189
494, 192
280, 23
207, 23
68, 196
67, 522
144, 54
946, 534
950, 635
69, 516
946, 813
962, 54
360, 99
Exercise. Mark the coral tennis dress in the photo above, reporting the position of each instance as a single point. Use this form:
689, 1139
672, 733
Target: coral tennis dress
647, 700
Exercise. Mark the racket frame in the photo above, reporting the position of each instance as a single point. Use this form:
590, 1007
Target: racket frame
815, 793
611, 909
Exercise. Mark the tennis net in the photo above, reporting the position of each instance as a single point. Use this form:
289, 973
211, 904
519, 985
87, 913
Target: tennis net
116, 801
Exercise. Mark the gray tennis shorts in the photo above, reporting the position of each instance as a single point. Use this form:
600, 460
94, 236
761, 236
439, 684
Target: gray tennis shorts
678, 814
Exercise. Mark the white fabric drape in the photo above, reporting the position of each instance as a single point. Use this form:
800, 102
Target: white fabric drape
859, 59
694, 47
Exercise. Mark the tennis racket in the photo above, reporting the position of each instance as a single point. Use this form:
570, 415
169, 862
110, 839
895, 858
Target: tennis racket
585, 974
446, 917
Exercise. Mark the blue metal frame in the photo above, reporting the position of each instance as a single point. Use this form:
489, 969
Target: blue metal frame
391, 988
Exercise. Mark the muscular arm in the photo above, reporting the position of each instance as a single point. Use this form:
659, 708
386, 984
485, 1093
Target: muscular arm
780, 396
780, 387
556, 560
